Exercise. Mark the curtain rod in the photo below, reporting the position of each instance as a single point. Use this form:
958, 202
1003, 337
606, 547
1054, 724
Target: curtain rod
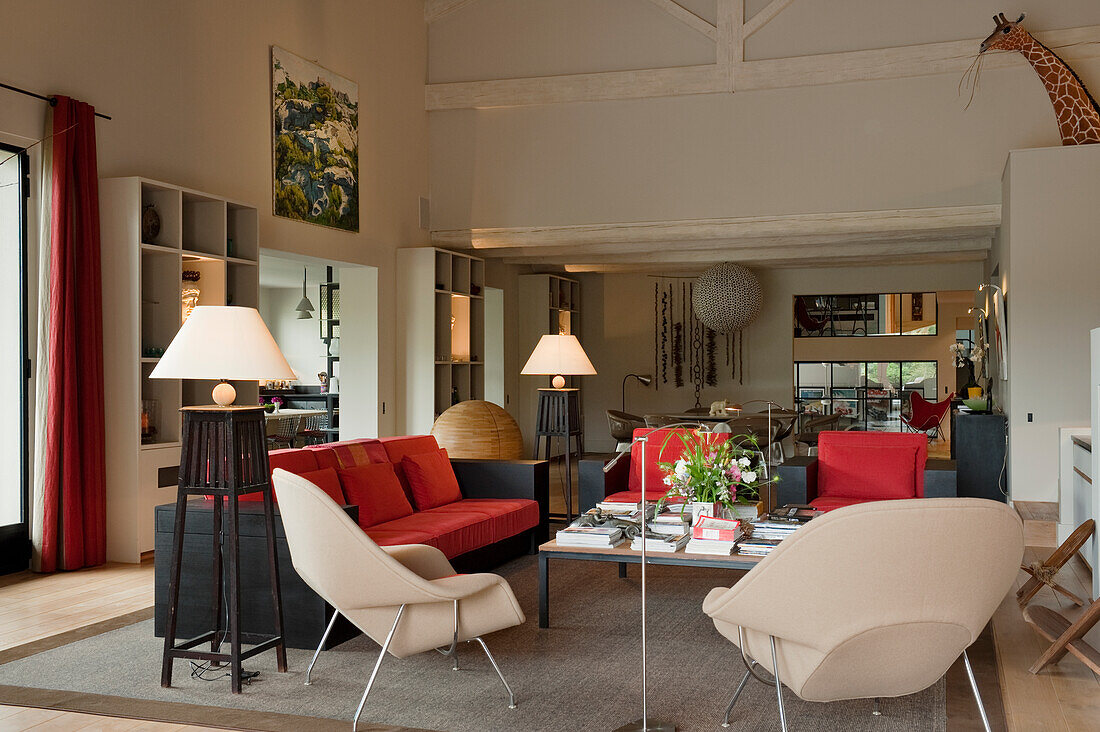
50, 100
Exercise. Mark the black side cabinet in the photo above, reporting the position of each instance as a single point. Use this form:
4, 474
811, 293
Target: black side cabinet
981, 450
305, 614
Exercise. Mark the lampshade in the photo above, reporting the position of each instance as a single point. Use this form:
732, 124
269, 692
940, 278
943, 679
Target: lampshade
558, 355
223, 342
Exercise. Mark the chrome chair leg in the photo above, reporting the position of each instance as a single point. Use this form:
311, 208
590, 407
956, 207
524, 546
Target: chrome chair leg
876, 711
736, 694
374, 673
977, 695
778, 688
511, 696
453, 650
309, 668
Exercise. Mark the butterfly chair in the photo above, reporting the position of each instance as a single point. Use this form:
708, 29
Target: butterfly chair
925, 416
807, 322
872, 600
406, 598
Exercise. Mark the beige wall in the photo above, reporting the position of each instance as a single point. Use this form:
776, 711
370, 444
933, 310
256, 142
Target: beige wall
1052, 301
188, 85
617, 333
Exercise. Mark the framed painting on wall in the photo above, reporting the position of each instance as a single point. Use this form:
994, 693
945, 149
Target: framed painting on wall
315, 143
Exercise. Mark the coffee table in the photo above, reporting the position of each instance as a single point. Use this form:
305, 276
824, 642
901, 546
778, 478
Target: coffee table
624, 555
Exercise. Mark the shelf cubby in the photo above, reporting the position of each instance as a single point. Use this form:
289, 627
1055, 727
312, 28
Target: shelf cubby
204, 224
242, 227
160, 301
460, 274
443, 271
211, 283
242, 285
165, 393
167, 202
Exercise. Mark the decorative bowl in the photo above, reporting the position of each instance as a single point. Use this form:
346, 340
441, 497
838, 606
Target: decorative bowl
977, 405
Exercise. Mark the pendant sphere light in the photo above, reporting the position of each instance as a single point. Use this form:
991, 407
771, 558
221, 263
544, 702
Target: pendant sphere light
727, 297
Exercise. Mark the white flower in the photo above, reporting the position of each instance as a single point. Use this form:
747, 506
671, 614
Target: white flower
744, 462
668, 480
681, 469
748, 476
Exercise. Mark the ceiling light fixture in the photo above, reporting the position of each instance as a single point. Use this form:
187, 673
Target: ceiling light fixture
305, 307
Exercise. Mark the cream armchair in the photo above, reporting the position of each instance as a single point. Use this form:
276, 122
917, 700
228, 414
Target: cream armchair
406, 598
873, 600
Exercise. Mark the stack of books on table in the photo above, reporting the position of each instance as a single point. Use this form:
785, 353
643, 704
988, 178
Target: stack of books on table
768, 528
670, 522
661, 544
712, 535
617, 507
596, 537
754, 547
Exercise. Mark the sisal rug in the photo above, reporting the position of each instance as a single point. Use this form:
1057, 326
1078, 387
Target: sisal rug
583, 673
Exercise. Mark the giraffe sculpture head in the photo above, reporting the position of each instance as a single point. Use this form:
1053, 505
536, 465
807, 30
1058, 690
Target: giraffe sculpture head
1009, 35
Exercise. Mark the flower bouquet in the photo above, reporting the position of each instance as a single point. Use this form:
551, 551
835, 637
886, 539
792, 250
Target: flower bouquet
716, 476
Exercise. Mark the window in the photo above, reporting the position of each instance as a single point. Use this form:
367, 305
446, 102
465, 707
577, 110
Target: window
866, 395
14, 186
907, 313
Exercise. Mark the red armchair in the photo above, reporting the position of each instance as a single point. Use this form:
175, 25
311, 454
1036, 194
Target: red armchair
925, 416
858, 467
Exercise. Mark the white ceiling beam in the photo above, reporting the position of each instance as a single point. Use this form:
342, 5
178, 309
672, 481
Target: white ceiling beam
980, 220
436, 9
906, 61
758, 21
891, 260
746, 255
602, 86
630, 249
731, 47
688, 18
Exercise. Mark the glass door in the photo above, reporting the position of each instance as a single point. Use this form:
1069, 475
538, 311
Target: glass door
14, 364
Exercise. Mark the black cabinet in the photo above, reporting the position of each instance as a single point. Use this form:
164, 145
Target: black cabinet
981, 449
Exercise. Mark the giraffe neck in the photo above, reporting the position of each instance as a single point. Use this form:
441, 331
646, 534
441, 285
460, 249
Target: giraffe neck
1061, 82
1076, 111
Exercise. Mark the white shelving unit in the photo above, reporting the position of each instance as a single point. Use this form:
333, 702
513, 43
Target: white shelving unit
142, 309
443, 338
549, 304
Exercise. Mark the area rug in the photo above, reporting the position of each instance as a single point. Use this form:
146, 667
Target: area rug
583, 673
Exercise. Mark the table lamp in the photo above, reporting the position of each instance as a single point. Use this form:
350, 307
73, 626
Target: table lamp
222, 343
558, 356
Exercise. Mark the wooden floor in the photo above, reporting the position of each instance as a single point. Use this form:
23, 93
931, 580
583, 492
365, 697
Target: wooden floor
1064, 697
36, 606
17, 719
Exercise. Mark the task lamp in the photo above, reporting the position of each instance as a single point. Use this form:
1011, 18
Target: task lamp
222, 343
643, 379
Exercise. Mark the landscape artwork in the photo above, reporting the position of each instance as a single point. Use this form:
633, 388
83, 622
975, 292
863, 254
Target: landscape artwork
316, 143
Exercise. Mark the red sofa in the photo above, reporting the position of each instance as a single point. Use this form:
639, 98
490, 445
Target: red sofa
857, 467
493, 506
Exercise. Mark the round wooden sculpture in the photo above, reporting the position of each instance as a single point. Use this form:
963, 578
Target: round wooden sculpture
478, 429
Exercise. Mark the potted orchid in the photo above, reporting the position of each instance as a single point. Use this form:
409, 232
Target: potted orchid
716, 476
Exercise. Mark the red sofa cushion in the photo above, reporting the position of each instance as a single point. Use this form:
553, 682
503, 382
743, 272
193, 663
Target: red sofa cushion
327, 480
393, 537
507, 516
349, 453
293, 461
375, 490
871, 465
663, 446
397, 448
431, 479
635, 496
830, 503
453, 532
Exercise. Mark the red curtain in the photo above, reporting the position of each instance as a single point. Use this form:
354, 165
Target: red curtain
74, 533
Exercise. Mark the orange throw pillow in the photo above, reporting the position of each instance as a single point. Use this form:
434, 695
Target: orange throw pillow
374, 488
431, 479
